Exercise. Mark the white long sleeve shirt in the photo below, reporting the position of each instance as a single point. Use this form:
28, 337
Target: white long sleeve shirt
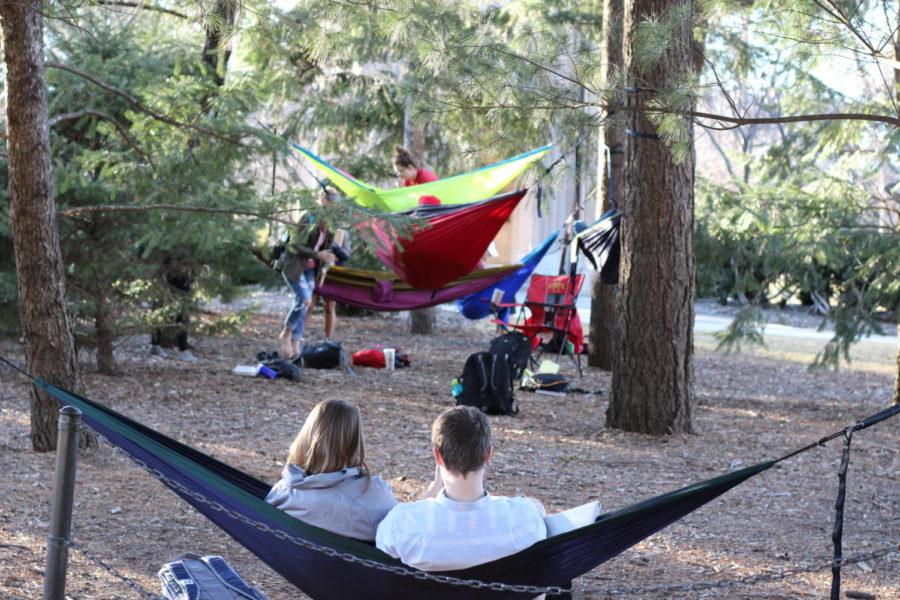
440, 534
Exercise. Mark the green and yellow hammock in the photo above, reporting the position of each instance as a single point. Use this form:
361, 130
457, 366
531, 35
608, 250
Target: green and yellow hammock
459, 189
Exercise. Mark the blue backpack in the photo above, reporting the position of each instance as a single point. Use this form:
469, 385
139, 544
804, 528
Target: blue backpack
192, 577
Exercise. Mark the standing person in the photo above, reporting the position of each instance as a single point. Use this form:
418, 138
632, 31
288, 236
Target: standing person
411, 172
300, 264
340, 247
326, 482
458, 524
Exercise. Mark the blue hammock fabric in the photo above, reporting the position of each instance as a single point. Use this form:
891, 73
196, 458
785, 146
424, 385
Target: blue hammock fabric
478, 305
235, 501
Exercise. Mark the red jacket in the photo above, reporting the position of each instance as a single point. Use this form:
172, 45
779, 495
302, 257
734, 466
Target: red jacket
423, 175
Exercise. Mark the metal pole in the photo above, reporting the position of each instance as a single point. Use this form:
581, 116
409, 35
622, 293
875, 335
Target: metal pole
63, 494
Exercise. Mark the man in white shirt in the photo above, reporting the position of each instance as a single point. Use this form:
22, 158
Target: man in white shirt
458, 524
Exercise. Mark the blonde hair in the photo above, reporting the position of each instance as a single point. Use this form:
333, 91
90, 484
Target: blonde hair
330, 440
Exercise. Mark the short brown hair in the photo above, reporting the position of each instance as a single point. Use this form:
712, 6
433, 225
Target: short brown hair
404, 158
331, 439
462, 435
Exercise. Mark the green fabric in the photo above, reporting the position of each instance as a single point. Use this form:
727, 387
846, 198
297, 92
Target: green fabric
459, 189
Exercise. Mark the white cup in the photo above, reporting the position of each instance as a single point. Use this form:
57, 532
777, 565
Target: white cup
389, 358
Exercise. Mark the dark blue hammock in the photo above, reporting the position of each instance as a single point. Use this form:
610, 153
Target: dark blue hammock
236, 503
478, 305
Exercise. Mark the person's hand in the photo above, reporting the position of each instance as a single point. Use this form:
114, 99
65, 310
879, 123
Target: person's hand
435, 487
327, 256
438, 480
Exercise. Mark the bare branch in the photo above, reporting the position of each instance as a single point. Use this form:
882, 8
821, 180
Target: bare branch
136, 104
123, 130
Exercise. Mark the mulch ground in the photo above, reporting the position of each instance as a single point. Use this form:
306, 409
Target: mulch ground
749, 408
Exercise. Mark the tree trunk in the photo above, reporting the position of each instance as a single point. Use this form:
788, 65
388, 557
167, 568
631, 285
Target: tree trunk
897, 89
421, 321
49, 343
104, 331
897, 58
603, 301
653, 367
216, 50
897, 378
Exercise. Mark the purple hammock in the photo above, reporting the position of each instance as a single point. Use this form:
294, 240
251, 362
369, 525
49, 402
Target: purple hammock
379, 290
327, 566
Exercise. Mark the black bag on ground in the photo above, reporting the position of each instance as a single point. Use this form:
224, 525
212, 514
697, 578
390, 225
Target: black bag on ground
193, 577
487, 385
284, 369
321, 355
553, 382
516, 349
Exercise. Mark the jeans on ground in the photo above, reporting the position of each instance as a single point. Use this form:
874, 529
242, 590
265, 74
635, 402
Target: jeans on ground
303, 291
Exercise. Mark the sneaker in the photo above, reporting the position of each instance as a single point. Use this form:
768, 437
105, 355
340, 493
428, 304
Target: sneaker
186, 356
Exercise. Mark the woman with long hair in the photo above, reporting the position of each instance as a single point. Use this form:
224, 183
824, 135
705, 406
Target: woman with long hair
411, 172
326, 482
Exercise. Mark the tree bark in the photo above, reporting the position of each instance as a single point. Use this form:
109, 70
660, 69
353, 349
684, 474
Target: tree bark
897, 58
216, 50
105, 332
421, 321
603, 302
653, 368
49, 343
897, 378
897, 89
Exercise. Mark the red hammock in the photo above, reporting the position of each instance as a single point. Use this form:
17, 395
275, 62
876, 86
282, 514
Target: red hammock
450, 246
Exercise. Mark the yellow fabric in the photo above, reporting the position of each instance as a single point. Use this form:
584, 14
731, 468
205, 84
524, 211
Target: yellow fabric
458, 189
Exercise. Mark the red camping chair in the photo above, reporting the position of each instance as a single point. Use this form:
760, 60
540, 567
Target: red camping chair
553, 322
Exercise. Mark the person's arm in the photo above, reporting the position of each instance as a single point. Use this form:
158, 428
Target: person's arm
537, 504
435, 487
326, 256
384, 537
341, 245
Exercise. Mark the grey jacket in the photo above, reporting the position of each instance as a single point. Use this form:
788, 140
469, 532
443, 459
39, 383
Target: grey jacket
343, 502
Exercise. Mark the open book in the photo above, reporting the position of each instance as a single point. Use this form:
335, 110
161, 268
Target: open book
573, 518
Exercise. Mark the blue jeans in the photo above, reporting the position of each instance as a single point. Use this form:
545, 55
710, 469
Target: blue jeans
303, 291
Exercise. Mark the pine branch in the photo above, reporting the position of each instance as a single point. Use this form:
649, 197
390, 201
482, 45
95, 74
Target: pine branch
79, 210
142, 6
137, 105
123, 130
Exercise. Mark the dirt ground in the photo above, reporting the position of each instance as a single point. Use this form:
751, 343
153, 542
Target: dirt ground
750, 407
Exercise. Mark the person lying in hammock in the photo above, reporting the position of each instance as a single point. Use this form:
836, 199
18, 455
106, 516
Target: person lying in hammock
326, 482
411, 172
460, 525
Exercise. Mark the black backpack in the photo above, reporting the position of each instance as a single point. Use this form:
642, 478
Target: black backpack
515, 349
487, 385
284, 369
321, 355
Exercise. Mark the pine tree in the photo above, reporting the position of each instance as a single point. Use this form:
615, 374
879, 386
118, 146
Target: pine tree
652, 385
49, 345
